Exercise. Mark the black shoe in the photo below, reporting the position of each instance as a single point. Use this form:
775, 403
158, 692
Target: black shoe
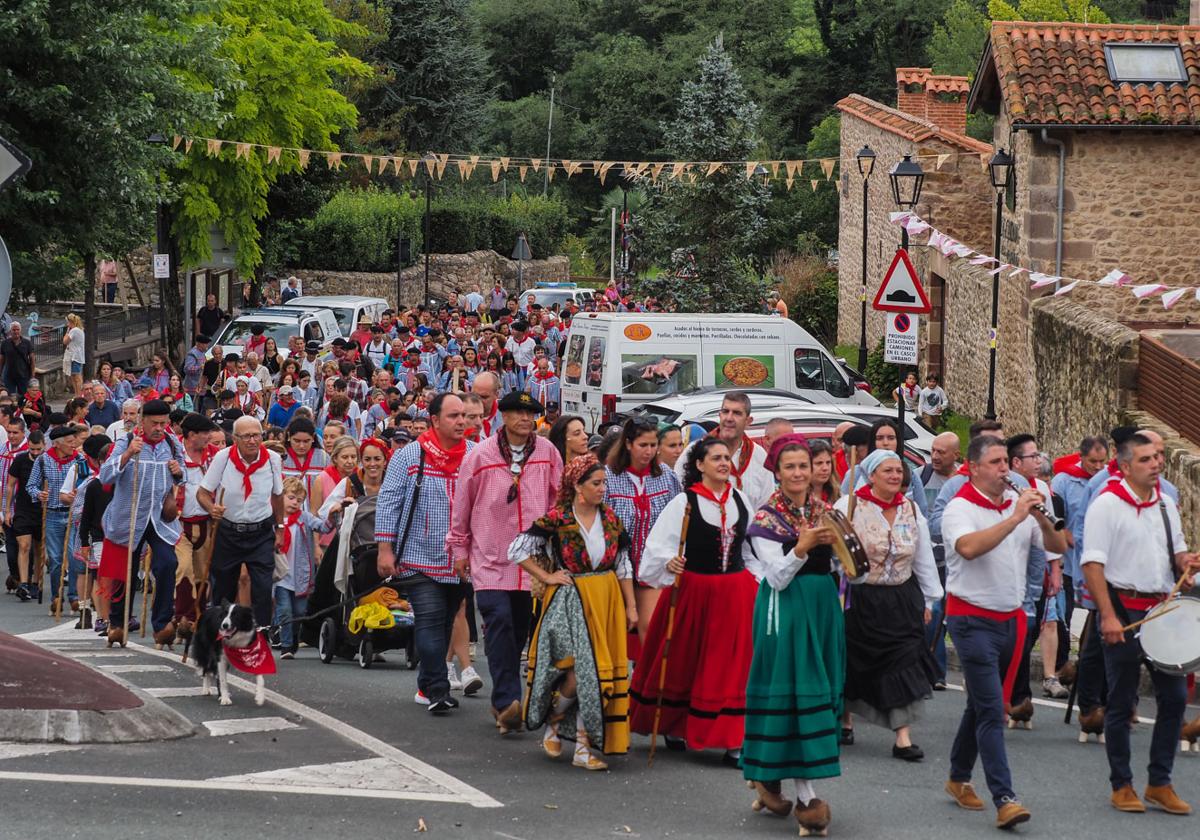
442, 705
847, 739
675, 744
940, 685
910, 753
23, 593
732, 758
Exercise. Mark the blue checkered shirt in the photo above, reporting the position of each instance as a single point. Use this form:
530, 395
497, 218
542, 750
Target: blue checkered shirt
53, 474
154, 481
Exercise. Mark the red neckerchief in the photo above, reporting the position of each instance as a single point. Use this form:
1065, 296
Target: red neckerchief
178, 397
412, 366
866, 495
141, 433
286, 540
307, 465
745, 452
965, 469
1114, 470
642, 473
544, 375
92, 463
491, 418
1118, 489
63, 461
703, 492
972, 495
33, 396
247, 470
286, 400
334, 473
445, 461
1076, 470
472, 435
254, 659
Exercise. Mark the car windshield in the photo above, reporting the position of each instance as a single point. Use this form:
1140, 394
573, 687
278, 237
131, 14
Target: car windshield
237, 332
660, 413
345, 318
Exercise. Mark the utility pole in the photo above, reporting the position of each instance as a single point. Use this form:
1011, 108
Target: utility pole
549, 127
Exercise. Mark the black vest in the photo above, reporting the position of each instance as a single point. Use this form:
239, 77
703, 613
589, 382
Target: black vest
703, 546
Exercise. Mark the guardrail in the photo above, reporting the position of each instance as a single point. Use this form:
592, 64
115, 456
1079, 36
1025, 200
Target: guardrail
117, 326
1169, 387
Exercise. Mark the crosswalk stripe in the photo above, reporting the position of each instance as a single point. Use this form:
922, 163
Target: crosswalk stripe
238, 726
135, 669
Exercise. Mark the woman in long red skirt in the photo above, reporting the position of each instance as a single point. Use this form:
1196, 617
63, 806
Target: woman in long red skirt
704, 693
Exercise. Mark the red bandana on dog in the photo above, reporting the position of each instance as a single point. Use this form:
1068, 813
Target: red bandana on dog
255, 659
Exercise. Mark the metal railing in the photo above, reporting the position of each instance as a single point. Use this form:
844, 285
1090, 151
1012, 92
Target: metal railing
1169, 387
117, 326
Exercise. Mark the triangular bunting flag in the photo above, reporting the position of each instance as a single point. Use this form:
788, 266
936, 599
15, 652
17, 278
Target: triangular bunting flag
751, 165
1002, 267
214, 148
827, 167
302, 156
790, 166
1018, 271
1116, 277
397, 163
504, 163
1147, 290
550, 167
602, 170
464, 169
413, 163
1065, 289
982, 259
495, 170
187, 146
536, 163
790, 180
430, 165
678, 169
1041, 281
522, 170
369, 163
656, 170
566, 165
814, 183
334, 160
175, 141
775, 168
243, 151
940, 160
273, 153
712, 169
1172, 297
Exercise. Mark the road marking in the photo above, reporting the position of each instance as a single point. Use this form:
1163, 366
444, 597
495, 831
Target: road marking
178, 691
9, 750
462, 792
98, 654
1051, 704
367, 774
134, 669
239, 726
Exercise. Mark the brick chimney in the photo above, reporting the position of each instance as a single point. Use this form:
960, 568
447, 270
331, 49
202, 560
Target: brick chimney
1194, 13
942, 100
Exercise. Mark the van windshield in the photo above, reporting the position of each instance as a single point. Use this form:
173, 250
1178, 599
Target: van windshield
237, 332
345, 318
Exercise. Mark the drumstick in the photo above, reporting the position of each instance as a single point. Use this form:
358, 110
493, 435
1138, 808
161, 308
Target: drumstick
1150, 617
850, 504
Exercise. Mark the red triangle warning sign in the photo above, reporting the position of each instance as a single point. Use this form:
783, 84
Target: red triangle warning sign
901, 290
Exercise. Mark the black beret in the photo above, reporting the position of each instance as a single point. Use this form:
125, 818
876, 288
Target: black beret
156, 408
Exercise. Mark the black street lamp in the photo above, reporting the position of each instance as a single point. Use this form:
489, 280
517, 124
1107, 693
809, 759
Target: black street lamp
162, 245
1000, 169
430, 161
907, 178
866, 164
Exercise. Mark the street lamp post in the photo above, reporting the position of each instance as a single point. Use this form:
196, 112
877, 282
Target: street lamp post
907, 179
1000, 169
866, 163
430, 161
163, 244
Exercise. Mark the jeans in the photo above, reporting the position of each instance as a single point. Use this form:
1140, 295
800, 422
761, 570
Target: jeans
938, 645
984, 648
1123, 667
288, 605
506, 617
434, 607
15, 384
55, 536
162, 566
1091, 685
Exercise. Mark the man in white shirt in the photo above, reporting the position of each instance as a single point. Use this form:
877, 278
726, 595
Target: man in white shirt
748, 472
243, 491
988, 533
1133, 549
130, 410
521, 345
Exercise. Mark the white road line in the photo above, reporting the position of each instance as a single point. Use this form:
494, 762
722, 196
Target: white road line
1052, 704
239, 787
8, 750
134, 669
462, 791
98, 654
239, 726
178, 691
364, 774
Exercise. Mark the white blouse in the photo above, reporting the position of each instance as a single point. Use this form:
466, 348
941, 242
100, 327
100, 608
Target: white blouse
924, 566
525, 546
775, 566
663, 542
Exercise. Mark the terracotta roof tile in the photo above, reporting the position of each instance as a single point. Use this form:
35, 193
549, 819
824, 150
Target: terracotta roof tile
906, 125
1056, 73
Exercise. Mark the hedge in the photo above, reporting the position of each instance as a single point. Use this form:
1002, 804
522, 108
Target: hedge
356, 230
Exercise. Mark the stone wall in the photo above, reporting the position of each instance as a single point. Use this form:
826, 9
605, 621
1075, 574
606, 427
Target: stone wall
447, 272
1183, 470
1085, 372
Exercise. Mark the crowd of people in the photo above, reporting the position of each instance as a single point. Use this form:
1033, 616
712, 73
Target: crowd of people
683, 582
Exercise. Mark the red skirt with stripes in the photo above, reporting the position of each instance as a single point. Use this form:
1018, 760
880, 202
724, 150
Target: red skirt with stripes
704, 693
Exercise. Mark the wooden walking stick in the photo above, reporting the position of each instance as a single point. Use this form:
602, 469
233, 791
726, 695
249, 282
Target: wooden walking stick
129, 553
1083, 638
66, 564
662, 670
41, 566
146, 586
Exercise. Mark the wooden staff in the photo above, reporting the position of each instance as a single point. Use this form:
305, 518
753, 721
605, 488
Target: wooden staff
662, 670
129, 553
146, 579
41, 567
66, 563
853, 459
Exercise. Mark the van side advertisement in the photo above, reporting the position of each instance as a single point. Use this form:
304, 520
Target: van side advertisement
744, 371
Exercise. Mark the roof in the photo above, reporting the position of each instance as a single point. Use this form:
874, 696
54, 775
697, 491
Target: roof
905, 125
1057, 74
934, 83
332, 300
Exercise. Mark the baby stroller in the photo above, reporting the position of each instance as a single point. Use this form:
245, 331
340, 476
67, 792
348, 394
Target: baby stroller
336, 591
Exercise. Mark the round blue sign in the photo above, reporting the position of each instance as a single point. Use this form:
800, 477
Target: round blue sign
902, 322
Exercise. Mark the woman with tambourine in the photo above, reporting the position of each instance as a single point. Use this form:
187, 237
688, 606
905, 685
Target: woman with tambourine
889, 669
794, 693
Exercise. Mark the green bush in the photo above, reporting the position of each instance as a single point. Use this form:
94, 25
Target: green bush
458, 225
582, 262
356, 230
542, 220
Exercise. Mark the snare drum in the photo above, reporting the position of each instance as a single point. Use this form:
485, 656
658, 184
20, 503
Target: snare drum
1172, 642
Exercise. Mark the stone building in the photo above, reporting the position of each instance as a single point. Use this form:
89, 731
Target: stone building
1103, 122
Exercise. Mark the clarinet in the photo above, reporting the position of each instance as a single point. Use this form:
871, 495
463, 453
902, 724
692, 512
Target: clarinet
1055, 522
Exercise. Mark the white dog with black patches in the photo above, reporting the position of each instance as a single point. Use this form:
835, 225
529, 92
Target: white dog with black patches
227, 634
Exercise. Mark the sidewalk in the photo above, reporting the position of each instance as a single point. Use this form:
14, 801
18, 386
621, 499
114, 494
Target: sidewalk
47, 697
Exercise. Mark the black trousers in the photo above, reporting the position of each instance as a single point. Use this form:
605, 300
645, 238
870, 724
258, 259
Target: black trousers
256, 551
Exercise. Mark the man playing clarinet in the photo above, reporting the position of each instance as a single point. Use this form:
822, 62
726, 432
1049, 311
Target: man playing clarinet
1133, 552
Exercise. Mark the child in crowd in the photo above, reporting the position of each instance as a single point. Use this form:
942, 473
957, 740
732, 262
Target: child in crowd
295, 563
932, 402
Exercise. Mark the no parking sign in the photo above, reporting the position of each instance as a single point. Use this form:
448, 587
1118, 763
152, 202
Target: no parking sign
900, 341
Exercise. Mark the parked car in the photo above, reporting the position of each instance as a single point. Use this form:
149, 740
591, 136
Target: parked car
821, 428
280, 323
348, 309
616, 361
555, 293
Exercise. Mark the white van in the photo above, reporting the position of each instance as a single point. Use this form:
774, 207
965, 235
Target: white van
279, 323
616, 361
348, 309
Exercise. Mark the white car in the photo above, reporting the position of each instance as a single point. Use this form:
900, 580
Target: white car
279, 323
768, 404
348, 309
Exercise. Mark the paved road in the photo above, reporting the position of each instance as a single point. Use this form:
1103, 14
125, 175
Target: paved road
339, 750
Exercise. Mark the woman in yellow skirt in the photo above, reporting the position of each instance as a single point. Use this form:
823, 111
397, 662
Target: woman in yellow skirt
578, 676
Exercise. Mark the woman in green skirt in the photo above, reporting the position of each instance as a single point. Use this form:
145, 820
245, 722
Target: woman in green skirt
794, 693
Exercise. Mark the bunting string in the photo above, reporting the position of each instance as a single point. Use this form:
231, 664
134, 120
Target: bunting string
950, 247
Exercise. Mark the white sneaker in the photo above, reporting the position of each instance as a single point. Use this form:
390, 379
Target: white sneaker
471, 681
1051, 687
452, 675
420, 699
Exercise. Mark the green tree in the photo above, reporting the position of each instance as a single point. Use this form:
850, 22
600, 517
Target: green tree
958, 40
438, 80
1079, 11
83, 85
718, 221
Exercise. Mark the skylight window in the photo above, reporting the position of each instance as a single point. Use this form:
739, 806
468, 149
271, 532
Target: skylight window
1145, 63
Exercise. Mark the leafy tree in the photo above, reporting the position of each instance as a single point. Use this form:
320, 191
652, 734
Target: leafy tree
707, 230
1080, 11
83, 85
438, 80
958, 41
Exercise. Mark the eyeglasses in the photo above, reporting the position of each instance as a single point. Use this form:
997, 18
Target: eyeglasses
1037, 456
249, 436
